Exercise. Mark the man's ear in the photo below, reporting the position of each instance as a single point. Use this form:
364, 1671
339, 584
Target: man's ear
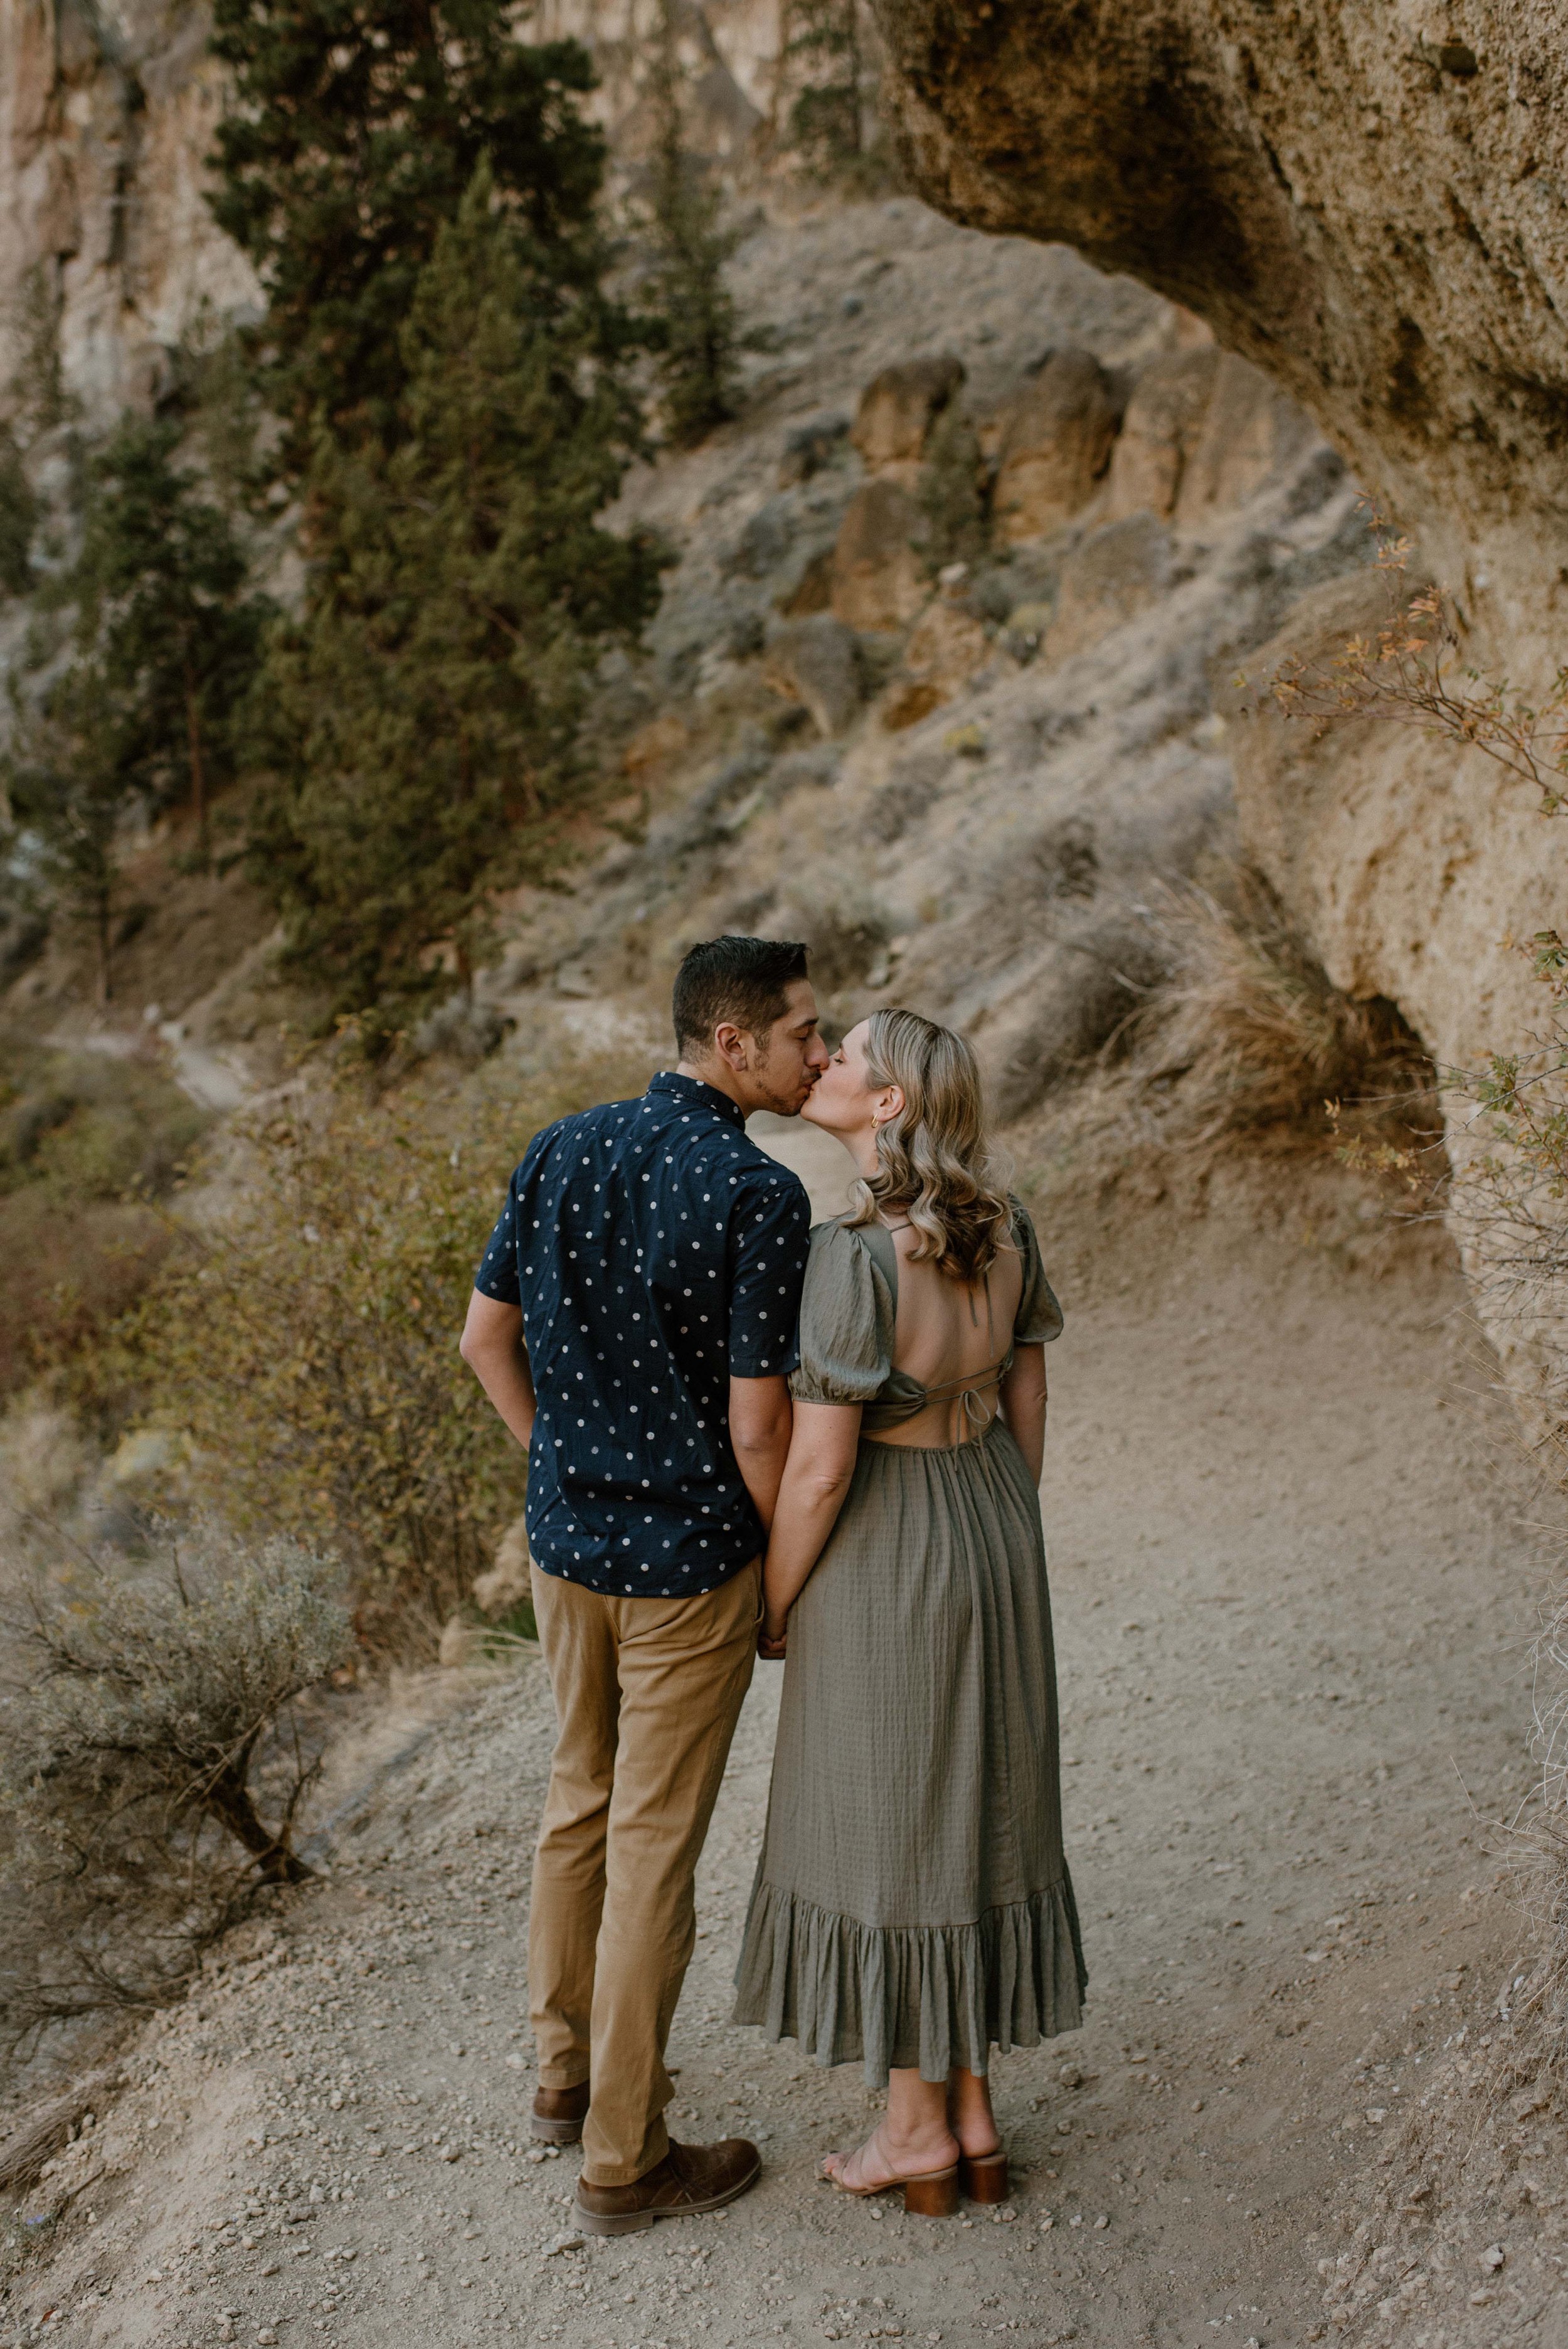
729, 1045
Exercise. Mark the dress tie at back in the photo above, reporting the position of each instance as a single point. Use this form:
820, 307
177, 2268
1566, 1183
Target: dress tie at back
911, 1398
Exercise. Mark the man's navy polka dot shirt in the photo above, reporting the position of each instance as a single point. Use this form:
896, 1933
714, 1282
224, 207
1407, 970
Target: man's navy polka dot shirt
655, 1252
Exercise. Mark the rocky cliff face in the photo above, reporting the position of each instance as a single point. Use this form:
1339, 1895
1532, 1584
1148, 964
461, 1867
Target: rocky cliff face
1368, 201
106, 116
105, 244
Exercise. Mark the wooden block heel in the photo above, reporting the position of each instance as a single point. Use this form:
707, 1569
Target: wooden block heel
983, 2177
935, 2196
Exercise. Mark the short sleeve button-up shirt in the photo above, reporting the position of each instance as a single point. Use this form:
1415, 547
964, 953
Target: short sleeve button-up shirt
656, 1251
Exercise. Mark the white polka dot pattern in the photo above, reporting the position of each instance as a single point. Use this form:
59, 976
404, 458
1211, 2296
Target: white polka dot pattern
655, 1252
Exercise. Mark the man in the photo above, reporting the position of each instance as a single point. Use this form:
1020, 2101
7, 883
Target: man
634, 1323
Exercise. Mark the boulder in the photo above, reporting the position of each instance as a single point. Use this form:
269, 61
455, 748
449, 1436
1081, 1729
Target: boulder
1117, 572
879, 580
1250, 430
1165, 418
813, 662
1056, 443
942, 654
897, 410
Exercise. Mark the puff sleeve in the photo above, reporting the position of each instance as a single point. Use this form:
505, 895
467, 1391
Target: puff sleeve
1039, 1317
846, 1321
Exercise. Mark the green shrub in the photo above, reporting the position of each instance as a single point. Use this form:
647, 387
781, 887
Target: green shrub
66, 1277
307, 1346
84, 1125
953, 492
86, 1143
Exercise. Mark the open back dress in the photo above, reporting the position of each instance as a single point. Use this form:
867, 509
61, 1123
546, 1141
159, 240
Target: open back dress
913, 1905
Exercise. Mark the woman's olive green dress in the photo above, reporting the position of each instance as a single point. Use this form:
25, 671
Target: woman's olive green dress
913, 1905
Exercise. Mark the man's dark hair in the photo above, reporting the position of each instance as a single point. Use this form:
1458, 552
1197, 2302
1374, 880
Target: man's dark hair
743, 979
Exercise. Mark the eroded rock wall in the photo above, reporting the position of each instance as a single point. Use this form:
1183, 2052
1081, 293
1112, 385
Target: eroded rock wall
106, 246
1368, 201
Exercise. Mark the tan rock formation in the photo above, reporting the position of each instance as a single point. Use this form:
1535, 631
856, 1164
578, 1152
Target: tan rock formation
879, 582
945, 649
105, 123
897, 410
812, 661
1163, 425
1249, 429
1055, 442
1116, 572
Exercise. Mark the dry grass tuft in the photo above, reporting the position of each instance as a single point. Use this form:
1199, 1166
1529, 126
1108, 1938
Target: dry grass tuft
1247, 1032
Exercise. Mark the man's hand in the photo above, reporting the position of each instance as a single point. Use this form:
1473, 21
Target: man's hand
491, 1345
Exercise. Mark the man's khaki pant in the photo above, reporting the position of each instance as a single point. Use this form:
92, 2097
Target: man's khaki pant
647, 1694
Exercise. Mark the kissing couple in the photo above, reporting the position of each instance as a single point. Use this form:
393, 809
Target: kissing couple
748, 1437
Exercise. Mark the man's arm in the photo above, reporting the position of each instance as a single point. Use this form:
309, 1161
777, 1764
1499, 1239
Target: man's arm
759, 1422
491, 1345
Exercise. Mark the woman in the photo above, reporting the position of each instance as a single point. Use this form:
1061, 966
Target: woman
911, 1905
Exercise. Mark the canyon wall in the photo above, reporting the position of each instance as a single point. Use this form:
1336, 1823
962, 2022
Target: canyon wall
106, 116
1369, 201
106, 244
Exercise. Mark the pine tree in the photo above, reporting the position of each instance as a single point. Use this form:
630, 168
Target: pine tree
18, 517
822, 43
166, 611
430, 693
147, 711
358, 124
699, 343
69, 795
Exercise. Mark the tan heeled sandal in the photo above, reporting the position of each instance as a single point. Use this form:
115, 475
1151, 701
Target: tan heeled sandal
934, 2194
983, 2177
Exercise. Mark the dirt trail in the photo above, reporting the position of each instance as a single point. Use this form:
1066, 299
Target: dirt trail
1291, 1612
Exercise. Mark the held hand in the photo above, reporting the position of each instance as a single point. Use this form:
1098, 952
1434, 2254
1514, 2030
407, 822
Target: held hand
771, 1638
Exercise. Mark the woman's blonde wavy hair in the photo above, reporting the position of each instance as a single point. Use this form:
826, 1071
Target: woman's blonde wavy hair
934, 1163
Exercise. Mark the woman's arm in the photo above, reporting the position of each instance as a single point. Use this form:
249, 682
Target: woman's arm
1023, 1400
816, 1478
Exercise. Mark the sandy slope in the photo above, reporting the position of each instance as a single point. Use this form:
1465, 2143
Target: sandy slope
1290, 1614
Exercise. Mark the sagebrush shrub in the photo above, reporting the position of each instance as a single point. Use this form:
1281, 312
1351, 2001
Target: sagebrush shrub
150, 1769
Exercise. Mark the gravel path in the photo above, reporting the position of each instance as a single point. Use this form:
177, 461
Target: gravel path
1291, 1610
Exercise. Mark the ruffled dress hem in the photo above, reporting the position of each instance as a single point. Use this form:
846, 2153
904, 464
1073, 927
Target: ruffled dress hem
898, 1996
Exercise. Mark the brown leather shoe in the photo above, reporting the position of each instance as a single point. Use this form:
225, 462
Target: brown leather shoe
691, 2178
558, 2113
